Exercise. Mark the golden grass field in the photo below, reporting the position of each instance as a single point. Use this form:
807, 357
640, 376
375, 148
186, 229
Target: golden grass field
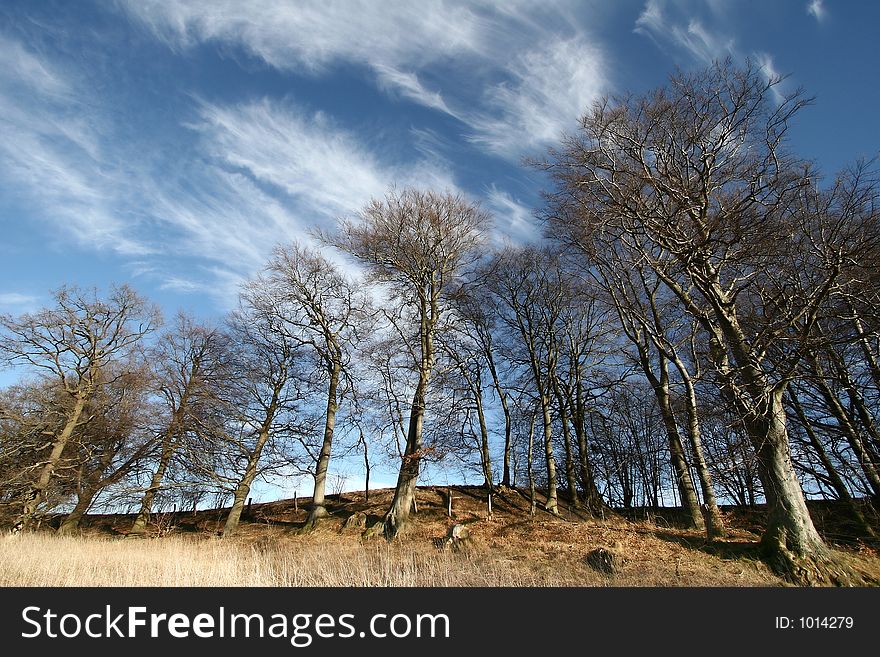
511, 549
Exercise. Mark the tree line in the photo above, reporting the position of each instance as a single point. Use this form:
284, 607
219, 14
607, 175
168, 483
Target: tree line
699, 324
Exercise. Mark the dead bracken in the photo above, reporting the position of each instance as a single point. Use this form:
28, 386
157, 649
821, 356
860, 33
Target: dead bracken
510, 549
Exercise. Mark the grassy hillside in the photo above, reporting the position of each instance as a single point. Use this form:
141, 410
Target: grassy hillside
509, 549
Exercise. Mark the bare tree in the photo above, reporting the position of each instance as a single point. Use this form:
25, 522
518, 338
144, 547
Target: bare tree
581, 379
73, 344
657, 329
265, 398
189, 362
479, 323
468, 372
105, 450
694, 181
322, 310
31, 412
419, 244
530, 289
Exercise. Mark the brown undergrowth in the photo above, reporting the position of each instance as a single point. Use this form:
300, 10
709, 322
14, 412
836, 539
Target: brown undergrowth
508, 549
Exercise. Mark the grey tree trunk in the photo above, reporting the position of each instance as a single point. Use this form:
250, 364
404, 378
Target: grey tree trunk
83, 502
366, 469
405, 492
140, 522
570, 479
711, 512
552, 503
244, 486
318, 510
790, 542
475, 384
508, 424
683, 480
530, 468
592, 498
38, 489
397, 515
485, 455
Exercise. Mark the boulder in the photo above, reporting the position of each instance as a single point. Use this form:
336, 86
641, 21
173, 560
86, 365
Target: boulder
457, 537
356, 520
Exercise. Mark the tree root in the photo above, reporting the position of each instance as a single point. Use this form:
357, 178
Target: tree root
315, 515
822, 568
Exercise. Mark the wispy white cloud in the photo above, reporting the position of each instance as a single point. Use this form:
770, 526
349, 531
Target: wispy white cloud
305, 155
528, 98
318, 164
270, 172
17, 302
686, 26
409, 86
312, 35
51, 156
514, 221
262, 172
550, 88
817, 10
768, 70
667, 24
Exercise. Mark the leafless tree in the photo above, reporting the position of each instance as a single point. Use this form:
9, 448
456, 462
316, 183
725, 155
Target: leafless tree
693, 181
104, 451
189, 362
419, 244
265, 397
478, 311
322, 310
528, 286
73, 344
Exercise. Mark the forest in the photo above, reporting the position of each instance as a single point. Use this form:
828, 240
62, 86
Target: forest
698, 327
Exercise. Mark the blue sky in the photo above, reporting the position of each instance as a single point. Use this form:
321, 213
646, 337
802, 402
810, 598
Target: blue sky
171, 145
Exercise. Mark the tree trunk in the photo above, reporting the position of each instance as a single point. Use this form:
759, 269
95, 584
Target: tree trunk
711, 512
508, 423
475, 384
83, 502
140, 522
552, 503
244, 486
790, 543
317, 509
592, 498
38, 490
570, 478
530, 468
397, 515
683, 480
366, 470
485, 455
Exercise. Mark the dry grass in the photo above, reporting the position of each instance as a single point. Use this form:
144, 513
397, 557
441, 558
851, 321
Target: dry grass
509, 550
550, 556
49, 560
